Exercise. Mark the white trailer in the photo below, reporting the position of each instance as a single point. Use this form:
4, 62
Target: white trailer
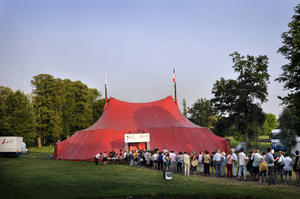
12, 145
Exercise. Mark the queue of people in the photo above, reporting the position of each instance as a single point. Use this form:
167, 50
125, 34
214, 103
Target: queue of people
260, 166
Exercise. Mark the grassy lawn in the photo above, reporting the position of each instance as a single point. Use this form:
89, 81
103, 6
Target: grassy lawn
35, 176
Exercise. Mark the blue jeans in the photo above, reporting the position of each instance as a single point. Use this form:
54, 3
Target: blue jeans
242, 168
218, 168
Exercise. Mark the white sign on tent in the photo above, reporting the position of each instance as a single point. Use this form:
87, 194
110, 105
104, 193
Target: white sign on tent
139, 137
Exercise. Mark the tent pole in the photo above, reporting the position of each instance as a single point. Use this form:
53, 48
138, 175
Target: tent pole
175, 93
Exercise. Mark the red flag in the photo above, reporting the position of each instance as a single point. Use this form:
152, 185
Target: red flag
174, 75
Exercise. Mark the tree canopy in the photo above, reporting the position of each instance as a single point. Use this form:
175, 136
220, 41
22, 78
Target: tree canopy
287, 135
290, 76
17, 115
62, 107
202, 113
239, 100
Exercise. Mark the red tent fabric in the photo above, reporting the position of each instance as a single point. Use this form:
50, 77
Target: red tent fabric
167, 127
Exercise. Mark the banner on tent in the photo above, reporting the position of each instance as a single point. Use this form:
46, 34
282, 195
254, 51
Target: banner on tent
139, 137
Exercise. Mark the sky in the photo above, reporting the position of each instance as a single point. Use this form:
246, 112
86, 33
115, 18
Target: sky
137, 43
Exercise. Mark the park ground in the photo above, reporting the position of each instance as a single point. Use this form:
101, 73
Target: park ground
34, 175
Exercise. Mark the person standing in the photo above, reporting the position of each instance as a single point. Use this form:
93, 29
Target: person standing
97, 156
270, 162
131, 159
229, 160
194, 163
279, 161
104, 159
206, 162
179, 162
187, 164
296, 166
223, 164
287, 168
242, 165
212, 164
173, 160
256, 162
200, 162
263, 168
217, 162
234, 163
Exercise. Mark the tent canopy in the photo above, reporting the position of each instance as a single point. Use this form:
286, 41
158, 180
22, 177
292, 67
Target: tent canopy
167, 127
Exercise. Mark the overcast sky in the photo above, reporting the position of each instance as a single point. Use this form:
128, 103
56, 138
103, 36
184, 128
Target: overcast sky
138, 43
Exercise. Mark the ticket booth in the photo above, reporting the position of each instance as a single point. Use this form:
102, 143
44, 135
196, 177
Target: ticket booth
137, 141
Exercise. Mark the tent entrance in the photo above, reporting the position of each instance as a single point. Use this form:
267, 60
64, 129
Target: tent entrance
137, 146
137, 141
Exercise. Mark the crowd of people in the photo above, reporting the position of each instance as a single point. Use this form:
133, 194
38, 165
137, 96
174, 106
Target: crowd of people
255, 166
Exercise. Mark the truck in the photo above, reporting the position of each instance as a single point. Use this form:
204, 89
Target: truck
278, 146
12, 146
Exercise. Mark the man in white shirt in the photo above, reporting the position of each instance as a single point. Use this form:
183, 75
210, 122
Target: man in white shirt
287, 168
242, 165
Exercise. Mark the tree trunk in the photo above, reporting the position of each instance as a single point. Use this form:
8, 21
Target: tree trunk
39, 141
247, 139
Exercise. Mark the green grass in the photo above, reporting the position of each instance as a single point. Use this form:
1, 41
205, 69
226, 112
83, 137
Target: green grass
29, 177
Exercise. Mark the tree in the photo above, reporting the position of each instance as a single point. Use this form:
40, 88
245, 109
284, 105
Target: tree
202, 113
287, 135
62, 107
4, 124
184, 108
239, 100
290, 76
269, 124
18, 117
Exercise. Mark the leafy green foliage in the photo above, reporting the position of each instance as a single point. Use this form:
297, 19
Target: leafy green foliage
202, 113
291, 71
287, 135
239, 100
269, 124
17, 116
63, 106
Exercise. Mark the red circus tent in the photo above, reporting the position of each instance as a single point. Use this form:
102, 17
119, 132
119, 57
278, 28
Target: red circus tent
161, 120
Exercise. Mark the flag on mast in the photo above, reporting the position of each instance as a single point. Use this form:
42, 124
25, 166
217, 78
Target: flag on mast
174, 75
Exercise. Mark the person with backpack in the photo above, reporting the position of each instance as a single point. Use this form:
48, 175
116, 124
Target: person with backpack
296, 167
263, 168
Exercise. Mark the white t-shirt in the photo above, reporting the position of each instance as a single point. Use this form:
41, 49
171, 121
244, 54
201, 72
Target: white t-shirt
200, 158
97, 155
287, 161
242, 158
